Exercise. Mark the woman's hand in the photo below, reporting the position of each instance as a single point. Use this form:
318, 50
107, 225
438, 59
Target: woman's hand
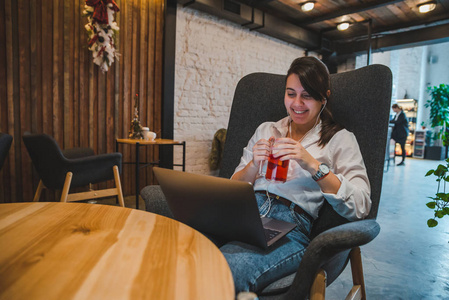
287, 148
262, 150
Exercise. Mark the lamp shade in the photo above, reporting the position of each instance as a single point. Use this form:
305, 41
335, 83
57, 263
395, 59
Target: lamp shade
307, 6
426, 7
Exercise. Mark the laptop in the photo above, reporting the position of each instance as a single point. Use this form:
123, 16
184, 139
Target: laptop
223, 208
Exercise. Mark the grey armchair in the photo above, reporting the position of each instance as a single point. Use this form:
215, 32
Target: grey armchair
77, 167
361, 102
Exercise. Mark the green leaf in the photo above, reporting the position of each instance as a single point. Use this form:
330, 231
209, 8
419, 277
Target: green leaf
432, 223
443, 196
440, 171
430, 172
446, 210
431, 205
439, 214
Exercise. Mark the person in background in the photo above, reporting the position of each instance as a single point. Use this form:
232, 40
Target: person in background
325, 165
400, 130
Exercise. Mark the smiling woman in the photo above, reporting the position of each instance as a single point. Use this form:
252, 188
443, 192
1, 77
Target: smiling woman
325, 164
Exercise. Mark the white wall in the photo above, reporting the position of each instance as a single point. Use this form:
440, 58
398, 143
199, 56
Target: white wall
438, 71
211, 56
414, 70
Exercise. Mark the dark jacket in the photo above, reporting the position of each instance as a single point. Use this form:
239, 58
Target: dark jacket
400, 129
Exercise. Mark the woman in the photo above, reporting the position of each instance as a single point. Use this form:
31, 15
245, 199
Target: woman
400, 129
325, 165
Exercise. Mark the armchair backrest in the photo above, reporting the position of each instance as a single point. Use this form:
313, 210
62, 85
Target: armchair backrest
47, 158
360, 100
5, 144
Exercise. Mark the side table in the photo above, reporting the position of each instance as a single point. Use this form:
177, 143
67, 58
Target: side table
139, 143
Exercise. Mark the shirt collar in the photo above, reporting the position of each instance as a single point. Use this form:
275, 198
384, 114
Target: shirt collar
312, 137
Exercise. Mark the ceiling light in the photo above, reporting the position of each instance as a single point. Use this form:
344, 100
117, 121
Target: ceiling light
426, 7
343, 26
307, 6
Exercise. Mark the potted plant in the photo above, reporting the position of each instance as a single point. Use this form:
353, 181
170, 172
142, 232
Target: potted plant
439, 120
440, 203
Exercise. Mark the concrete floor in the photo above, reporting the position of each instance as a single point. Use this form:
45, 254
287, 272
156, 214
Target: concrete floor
407, 260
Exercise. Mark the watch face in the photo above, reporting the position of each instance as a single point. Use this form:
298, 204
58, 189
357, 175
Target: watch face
324, 168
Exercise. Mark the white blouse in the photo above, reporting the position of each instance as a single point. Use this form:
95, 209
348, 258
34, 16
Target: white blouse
341, 154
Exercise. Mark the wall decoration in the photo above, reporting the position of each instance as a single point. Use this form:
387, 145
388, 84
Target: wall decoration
135, 131
102, 31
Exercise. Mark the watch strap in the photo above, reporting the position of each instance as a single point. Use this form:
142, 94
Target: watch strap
320, 175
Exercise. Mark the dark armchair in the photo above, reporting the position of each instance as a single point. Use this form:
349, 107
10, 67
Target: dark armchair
71, 168
5, 144
360, 100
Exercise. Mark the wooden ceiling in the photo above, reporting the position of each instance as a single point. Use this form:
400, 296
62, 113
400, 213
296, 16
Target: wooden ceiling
393, 23
387, 24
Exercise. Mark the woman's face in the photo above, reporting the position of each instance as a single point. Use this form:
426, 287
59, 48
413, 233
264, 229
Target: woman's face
302, 108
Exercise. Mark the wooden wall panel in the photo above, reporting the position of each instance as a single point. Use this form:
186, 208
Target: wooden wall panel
50, 84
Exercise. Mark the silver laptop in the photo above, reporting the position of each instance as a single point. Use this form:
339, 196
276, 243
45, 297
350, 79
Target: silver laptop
224, 208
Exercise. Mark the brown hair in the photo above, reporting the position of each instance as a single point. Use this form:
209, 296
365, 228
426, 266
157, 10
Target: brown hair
314, 77
396, 106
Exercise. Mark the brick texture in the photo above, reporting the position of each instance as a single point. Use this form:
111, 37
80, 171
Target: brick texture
211, 56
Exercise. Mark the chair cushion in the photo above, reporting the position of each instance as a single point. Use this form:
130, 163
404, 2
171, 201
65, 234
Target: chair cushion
279, 286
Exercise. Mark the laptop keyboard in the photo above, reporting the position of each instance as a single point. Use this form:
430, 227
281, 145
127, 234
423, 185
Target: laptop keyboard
269, 233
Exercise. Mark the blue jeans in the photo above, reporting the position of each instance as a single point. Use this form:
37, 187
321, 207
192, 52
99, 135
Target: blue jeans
254, 268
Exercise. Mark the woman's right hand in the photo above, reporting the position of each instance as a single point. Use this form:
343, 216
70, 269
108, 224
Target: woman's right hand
262, 150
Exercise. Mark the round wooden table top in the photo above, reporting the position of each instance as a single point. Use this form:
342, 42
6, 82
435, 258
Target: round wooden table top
92, 251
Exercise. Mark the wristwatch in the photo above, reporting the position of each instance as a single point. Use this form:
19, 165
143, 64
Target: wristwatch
323, 171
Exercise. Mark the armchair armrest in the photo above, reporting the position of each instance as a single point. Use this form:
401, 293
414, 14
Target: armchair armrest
324, 248
155, 200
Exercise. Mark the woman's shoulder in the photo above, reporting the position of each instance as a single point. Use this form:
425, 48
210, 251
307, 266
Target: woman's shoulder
342, 136
266, 125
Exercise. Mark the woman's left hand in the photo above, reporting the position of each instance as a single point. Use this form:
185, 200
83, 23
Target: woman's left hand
287, 148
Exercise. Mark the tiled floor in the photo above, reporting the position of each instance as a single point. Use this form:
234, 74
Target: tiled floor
407, 260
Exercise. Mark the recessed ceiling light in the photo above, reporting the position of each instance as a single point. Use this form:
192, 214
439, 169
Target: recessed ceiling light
426, 7
308, 6
343, 26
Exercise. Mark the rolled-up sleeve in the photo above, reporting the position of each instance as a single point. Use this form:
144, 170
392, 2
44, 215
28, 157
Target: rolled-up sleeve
352, 200
248, 150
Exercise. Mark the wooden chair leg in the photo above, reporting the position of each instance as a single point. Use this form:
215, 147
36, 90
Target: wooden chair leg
40, 187
66, 188
357, 270
318, 289
118, 186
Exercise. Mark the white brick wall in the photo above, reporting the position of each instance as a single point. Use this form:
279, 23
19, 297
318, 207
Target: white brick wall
211, 56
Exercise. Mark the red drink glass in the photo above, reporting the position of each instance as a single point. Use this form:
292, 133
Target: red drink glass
277, 169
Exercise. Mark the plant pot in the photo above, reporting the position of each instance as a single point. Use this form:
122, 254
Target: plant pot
435, 152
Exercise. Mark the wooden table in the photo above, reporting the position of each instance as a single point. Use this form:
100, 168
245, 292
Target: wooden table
91, 251
138, 143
